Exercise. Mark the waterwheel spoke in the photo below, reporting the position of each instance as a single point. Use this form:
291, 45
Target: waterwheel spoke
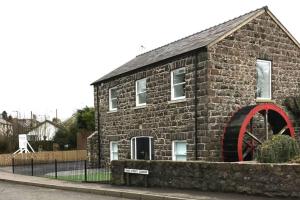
247, 143
249, 150
282, 130
266, 120
253, 137
250, 147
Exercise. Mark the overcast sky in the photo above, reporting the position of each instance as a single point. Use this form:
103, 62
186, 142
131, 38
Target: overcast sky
51, 51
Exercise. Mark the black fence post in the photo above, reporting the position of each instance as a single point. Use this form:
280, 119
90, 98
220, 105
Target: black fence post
13, 165
55, 167
85, 171
31, 166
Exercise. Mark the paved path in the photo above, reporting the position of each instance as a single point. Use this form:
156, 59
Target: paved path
12, 191
125, 192
41, 169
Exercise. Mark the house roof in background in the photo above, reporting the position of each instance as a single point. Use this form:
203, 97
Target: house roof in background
189, 43
44, 122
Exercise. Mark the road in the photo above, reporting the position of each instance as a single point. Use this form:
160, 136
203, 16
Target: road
42, 169
9, 191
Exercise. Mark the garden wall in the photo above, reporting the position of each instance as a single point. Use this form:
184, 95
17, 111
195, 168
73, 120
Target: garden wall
250, 178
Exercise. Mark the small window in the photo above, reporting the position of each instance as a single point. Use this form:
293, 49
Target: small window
179, 150
142, 148
113, 150
263, 85
178, 84
141, 94
112, 99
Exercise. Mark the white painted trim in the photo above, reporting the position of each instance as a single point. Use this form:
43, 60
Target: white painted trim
174, 149
150, 148
270, 77
134, 156
111, 150
136, 93
131, 144
110, 100
177, 101
172, 84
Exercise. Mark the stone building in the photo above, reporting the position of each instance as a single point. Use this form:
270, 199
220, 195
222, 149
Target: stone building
173, 103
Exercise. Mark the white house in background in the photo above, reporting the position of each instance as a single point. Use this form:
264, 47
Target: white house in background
45, 131
6, 128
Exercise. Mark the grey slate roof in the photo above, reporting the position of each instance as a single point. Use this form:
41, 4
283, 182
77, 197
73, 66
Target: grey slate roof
192, 42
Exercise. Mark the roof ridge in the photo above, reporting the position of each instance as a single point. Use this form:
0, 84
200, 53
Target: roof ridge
264, 7
191, 42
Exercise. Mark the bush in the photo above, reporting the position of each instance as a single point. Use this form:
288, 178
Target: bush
42, 145
293, 105
281, 148
6, 144
295, 160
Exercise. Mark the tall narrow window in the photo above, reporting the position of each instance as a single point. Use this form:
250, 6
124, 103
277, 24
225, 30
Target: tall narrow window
263, 84
179, 150
141, 94
113, 150
142, 148
112, 99
178, 84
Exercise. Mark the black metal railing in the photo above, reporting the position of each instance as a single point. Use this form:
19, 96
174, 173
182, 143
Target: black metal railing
63, 170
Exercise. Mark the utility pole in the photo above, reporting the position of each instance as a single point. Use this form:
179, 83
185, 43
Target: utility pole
17, 122
30, 119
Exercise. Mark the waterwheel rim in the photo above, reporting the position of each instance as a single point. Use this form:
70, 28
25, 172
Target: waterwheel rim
235, 131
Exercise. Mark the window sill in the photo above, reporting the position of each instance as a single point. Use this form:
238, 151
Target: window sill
177, 101
264, 101
139, 107
112, 111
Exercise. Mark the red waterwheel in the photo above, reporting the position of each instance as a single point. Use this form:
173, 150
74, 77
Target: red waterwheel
242, 136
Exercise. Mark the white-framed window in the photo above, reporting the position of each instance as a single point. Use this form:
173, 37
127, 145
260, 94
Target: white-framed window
113, 150
113, 99
142, 148
179, 150
178, 84
263, 84
141, 95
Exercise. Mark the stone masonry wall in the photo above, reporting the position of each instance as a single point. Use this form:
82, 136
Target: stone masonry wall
226, 81
232, 72
261, 179
161, 118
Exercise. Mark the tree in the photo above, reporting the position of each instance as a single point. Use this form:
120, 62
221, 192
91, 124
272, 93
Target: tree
61, 138
4, 115
82, 120
86, 119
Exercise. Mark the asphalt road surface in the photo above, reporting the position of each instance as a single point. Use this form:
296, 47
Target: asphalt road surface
42, 169
9, 191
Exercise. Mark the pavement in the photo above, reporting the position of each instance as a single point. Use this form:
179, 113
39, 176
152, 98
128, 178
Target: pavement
12, 191
140, 193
